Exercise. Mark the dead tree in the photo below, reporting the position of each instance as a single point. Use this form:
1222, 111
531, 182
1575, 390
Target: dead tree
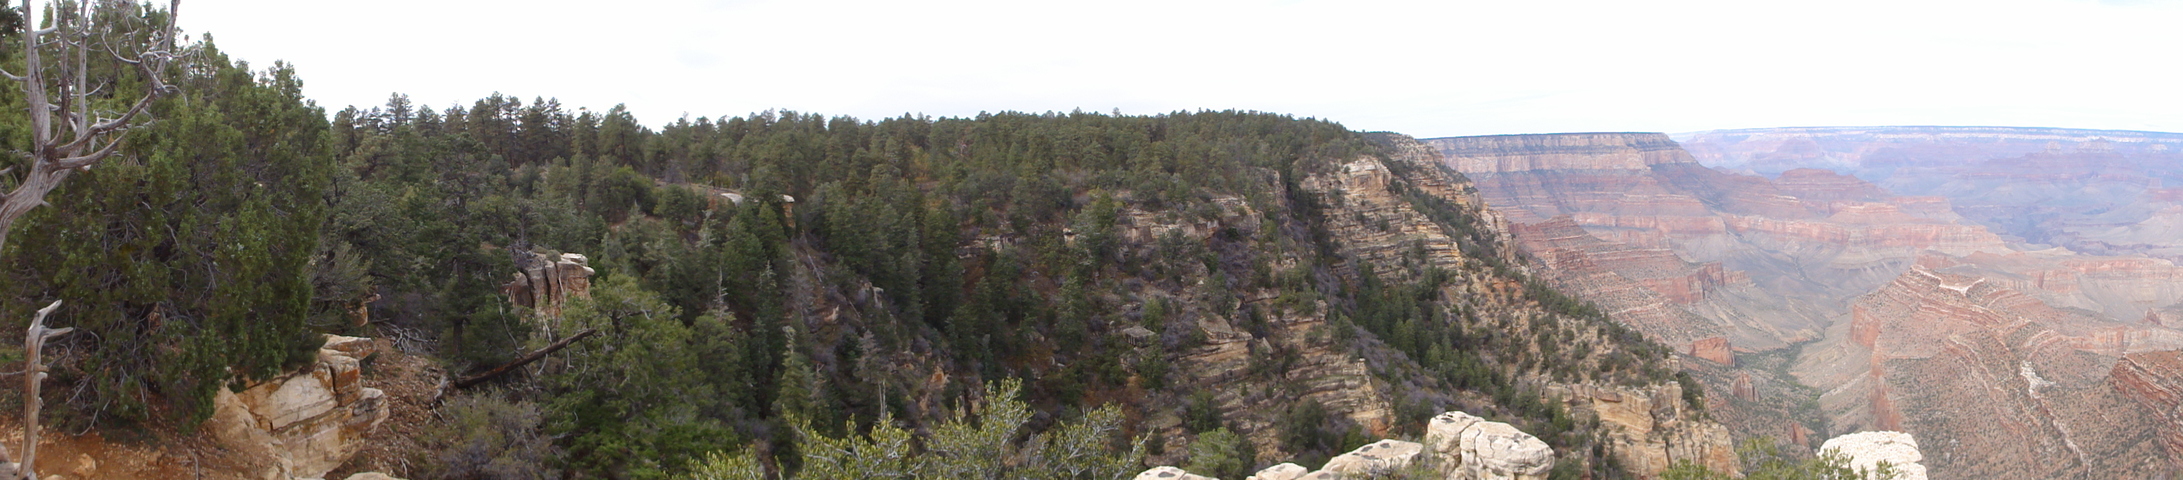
69, 134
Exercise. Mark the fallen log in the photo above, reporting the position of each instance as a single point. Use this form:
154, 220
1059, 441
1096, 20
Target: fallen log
525, 360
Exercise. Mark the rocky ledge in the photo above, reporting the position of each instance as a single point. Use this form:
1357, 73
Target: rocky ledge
1458, 445
307, 423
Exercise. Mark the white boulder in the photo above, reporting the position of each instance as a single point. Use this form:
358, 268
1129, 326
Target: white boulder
1286, 471
1170, 473
1866, 450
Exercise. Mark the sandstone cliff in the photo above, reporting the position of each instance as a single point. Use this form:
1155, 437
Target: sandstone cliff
303, 425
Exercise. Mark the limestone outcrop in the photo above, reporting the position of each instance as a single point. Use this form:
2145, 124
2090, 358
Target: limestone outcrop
1651, 428
1866, 450
305, 424
544, 282
1377, 458
1169, 473
1471, 448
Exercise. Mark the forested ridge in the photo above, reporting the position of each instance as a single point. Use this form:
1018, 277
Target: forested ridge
774, 287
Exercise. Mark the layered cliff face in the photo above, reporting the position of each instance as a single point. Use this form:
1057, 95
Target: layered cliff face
2155, 381
2000, 384
1648, 428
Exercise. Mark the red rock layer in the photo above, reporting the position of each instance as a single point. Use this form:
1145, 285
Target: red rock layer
2019, 389
2155, 380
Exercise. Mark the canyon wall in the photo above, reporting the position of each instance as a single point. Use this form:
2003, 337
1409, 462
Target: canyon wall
1999, 383
1899, 312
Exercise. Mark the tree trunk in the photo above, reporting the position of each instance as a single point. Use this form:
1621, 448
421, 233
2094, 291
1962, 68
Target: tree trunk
525, 360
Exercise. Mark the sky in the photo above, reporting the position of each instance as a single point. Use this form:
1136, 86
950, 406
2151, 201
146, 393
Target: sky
1427, 69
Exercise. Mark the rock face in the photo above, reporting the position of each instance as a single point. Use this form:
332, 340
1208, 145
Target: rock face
1715, 349
305, 424
1650, 428
543, 283
1867, 449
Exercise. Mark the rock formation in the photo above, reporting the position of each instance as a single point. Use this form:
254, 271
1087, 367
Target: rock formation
1459, 445
543, 283
1715, 349
1650, 429
1471, 448
1866, 450
305, 424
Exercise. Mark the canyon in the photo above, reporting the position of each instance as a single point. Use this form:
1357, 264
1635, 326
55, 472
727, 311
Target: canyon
1921, 279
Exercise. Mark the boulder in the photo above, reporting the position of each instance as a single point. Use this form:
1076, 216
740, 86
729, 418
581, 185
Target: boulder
1377, 458
1286, 471
1866, 450
303, 424
1170, 473
372, 476
1469, 447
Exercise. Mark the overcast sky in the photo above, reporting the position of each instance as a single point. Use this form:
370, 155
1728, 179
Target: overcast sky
1423, 68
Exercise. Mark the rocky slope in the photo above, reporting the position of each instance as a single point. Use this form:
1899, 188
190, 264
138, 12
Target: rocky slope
1646, 427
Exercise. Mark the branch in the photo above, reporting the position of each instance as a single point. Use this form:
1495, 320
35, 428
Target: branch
526, 360
87, 159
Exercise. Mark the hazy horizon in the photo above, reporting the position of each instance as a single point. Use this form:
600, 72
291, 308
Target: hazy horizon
1425, 69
